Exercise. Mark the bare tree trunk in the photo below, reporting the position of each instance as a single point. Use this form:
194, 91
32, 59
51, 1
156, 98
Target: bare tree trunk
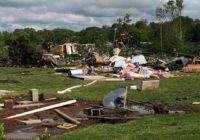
180, 28
161, 40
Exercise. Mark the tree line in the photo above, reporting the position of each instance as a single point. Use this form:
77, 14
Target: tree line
24, 46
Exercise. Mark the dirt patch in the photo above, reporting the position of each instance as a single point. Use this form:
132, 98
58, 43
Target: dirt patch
13, 125
188, 109
75, 110
9, 81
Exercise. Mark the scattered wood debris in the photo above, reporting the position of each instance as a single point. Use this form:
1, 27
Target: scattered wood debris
192, 68
67, 126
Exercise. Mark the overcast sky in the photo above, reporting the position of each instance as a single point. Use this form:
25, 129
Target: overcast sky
79, 14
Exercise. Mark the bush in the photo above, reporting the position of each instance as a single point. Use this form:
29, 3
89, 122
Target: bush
4, 56
45, 136
2, 133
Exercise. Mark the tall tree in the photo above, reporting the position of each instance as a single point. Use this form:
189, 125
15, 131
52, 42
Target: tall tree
121, 28
170, 10
160, 15
180, 6
21, 47
196, 32
173, 9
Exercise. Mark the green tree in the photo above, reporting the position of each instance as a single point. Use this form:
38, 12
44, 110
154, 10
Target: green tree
125, 31
173, 9
187, 28
170, 10
21, 47
196, 32
141, 24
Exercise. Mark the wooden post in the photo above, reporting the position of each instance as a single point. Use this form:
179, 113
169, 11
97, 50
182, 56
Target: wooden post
125, 98
8, 104
66, 116
34, 95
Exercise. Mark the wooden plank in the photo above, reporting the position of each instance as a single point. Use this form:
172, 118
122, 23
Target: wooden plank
42, 109
28, 105
67, 126
192, 68
31, 121
51, 99
24, 102
1, 105
113, 118
67, 117
48, 97
196, 103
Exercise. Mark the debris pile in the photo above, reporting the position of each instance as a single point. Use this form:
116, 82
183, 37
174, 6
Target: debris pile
136, 66
117, 68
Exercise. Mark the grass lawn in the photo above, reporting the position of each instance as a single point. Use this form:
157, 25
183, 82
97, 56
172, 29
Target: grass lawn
159, 127
186, 89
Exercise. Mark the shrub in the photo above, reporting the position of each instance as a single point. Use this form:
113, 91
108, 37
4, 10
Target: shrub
45, 136
2, 133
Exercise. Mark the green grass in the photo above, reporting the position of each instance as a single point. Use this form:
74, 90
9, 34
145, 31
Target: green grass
48, 82
170, 89
154, 127
159, 127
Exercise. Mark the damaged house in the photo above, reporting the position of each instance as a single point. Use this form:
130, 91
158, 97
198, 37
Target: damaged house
68, 49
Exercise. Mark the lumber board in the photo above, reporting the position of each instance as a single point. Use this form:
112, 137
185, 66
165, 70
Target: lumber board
28, 105
67, 117
192, 68
31, 121
42, 109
